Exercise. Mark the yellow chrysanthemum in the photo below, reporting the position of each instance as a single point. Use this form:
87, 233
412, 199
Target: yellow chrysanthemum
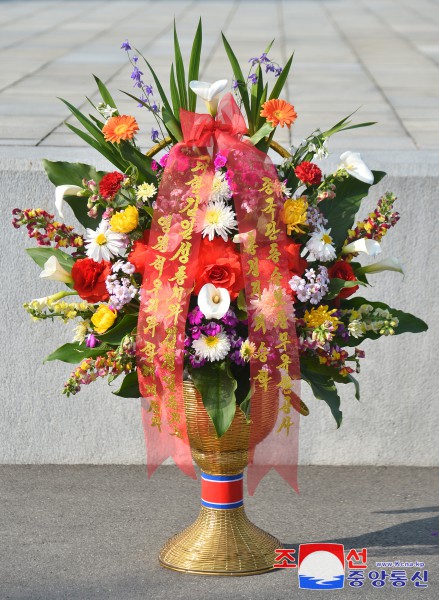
318, 316
103, 318
125, 220
294, 214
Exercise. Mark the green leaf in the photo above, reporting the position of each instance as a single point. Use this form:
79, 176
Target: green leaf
172, 125
194, 66
114, 335
265, 130
66, 173
158, 84
336, 285
174, 93
85, 122
217, 388
179, 69
105, 149
140, 161
341, 210
356, 384
324, 388
41, 255
242, 87
129, 387
280, 81
105, 94
75, 352
408, 323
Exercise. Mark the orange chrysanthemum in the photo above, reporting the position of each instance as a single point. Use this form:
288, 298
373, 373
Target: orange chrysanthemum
279, 112
119, 128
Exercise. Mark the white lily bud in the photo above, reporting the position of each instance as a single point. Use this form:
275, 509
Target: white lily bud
355, 166
53, 270
213, 302
370, 247
209, 92
388, 264
65, 190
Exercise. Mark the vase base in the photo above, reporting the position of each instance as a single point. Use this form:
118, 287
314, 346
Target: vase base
221, 542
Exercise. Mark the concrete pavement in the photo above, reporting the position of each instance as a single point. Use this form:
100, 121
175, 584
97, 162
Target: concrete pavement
93, 533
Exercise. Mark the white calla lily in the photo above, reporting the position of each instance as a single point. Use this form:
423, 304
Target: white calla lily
213, 302
355, 166
65, 190
209, 92
53, 270
388, 264
370, 247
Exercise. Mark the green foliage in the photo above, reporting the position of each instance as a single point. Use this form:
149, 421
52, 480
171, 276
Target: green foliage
129, 387
41, 255
341, 210
194, 65
408, 323
217, 388
75, 352
336, 285
242, 82
115, 335
323, 388
140, 161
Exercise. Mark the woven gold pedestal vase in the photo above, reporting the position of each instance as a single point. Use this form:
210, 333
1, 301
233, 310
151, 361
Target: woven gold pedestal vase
222, 541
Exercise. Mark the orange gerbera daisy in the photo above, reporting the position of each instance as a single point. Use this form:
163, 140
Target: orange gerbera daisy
279, 112
119, 128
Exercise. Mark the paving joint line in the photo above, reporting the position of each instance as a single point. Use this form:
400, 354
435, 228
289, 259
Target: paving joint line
44, 31
26, 15
123, 66
369, 73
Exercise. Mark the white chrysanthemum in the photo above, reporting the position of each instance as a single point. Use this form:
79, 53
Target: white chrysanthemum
212, 347
104, 243
320, 246
220, 188
218, 219
145, 191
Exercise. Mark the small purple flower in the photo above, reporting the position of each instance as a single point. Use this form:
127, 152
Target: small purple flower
220, 161
148, 90
163, 160
143, 101
195, 316
195, 332
154, 165
91, 341
125, 46
136, 76
235, 84
154, 135
154, 107
197, 362
230, 319
235, 340
278, 71
135, 59
237, 358
212, 329
253, 78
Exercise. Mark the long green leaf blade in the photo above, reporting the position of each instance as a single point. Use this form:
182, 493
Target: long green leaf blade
242, 84
194, 65
105, 94
179, 69
89, 125
114, 158
175, 96
280, 82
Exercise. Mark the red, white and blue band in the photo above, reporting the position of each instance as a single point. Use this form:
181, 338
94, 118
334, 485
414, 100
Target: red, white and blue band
222, 491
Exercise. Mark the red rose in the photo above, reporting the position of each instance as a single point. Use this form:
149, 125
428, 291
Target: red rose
308, 173
89, 279
219, 263
296, 264
110, 184
139, 254
343, 270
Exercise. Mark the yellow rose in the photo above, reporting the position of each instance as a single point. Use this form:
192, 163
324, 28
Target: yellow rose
103, 318
294, 214
125, 220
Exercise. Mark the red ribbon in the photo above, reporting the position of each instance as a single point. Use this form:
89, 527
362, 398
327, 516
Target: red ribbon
258, 202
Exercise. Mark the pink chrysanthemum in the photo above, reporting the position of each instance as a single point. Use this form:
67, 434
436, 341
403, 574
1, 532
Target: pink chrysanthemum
273, 300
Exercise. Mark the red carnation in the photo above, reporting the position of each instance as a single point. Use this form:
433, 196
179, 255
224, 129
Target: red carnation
219, 263
110, 184
308, 173
89, 279
343, 270
139, 254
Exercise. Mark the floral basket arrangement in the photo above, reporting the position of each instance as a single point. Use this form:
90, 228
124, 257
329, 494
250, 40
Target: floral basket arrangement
211, 282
